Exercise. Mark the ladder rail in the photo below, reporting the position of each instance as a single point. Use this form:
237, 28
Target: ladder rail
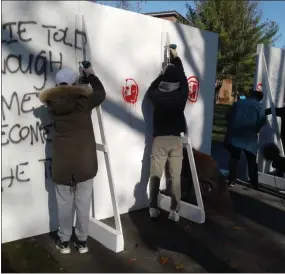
103, 148
109, 172
272, 105
196, 184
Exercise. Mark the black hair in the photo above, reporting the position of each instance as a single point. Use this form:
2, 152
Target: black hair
271, 152
258, 95
171, 75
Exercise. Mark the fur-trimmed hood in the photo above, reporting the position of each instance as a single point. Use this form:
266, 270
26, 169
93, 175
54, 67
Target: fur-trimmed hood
63, 100
54, 93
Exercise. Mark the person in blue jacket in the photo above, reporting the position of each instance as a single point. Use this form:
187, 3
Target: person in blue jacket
245, 118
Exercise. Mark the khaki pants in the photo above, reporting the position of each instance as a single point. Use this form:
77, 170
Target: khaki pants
166, 148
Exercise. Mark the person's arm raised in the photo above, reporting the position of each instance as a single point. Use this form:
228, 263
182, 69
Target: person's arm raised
99, 94
176, 61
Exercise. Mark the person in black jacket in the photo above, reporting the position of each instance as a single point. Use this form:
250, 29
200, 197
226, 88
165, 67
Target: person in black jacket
168, 94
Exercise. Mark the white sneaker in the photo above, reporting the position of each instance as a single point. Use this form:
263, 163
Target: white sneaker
63, 247
81, 246
173, 216
154, 213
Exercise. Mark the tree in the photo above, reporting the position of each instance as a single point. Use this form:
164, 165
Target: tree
241, 27
123, 4
182, 20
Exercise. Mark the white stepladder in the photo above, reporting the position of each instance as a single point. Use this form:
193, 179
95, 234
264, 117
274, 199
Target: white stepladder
106, 235
267, 179
261, 55
195, 213
109, 237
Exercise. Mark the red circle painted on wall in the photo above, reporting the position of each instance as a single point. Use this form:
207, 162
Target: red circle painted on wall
194, 87
259, 87
130, 91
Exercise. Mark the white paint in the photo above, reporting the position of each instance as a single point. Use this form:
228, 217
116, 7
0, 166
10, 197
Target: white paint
123, 45
270, 72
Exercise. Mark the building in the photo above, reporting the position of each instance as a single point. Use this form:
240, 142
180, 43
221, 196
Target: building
172, 16
225, 95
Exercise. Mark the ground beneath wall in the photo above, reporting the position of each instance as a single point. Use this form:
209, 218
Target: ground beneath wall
251, 239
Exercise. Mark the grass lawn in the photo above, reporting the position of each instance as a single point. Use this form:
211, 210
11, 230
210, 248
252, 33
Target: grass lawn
219, 123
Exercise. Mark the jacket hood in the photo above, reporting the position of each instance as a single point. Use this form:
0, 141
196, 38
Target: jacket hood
62, 100
75, 91
168, 87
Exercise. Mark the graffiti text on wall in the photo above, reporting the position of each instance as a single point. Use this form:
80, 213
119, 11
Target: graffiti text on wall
19, 173
45, 60
20, 125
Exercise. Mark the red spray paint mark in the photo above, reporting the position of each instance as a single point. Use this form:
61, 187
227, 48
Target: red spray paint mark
259, 87
194, 86
130, 91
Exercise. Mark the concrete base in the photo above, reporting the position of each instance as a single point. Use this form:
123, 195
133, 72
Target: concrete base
106, 235
272, 181
267, 180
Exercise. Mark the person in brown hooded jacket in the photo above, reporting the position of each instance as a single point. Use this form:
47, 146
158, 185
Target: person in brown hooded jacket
74, 157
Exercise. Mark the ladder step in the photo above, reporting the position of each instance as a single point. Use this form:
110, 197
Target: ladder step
102, 147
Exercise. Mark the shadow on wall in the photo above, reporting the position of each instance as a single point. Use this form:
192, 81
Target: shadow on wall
42, 114
42, 67
141, 187
189, 57
113, 109
49, 70
155, 235
140, 191
268, 132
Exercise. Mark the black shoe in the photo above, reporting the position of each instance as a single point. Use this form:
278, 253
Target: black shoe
63, 247
81, 246
255, 185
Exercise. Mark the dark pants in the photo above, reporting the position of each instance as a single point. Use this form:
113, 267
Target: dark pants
251, 163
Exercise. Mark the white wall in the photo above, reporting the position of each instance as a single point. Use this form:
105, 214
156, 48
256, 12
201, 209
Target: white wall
120, 45
275, 61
